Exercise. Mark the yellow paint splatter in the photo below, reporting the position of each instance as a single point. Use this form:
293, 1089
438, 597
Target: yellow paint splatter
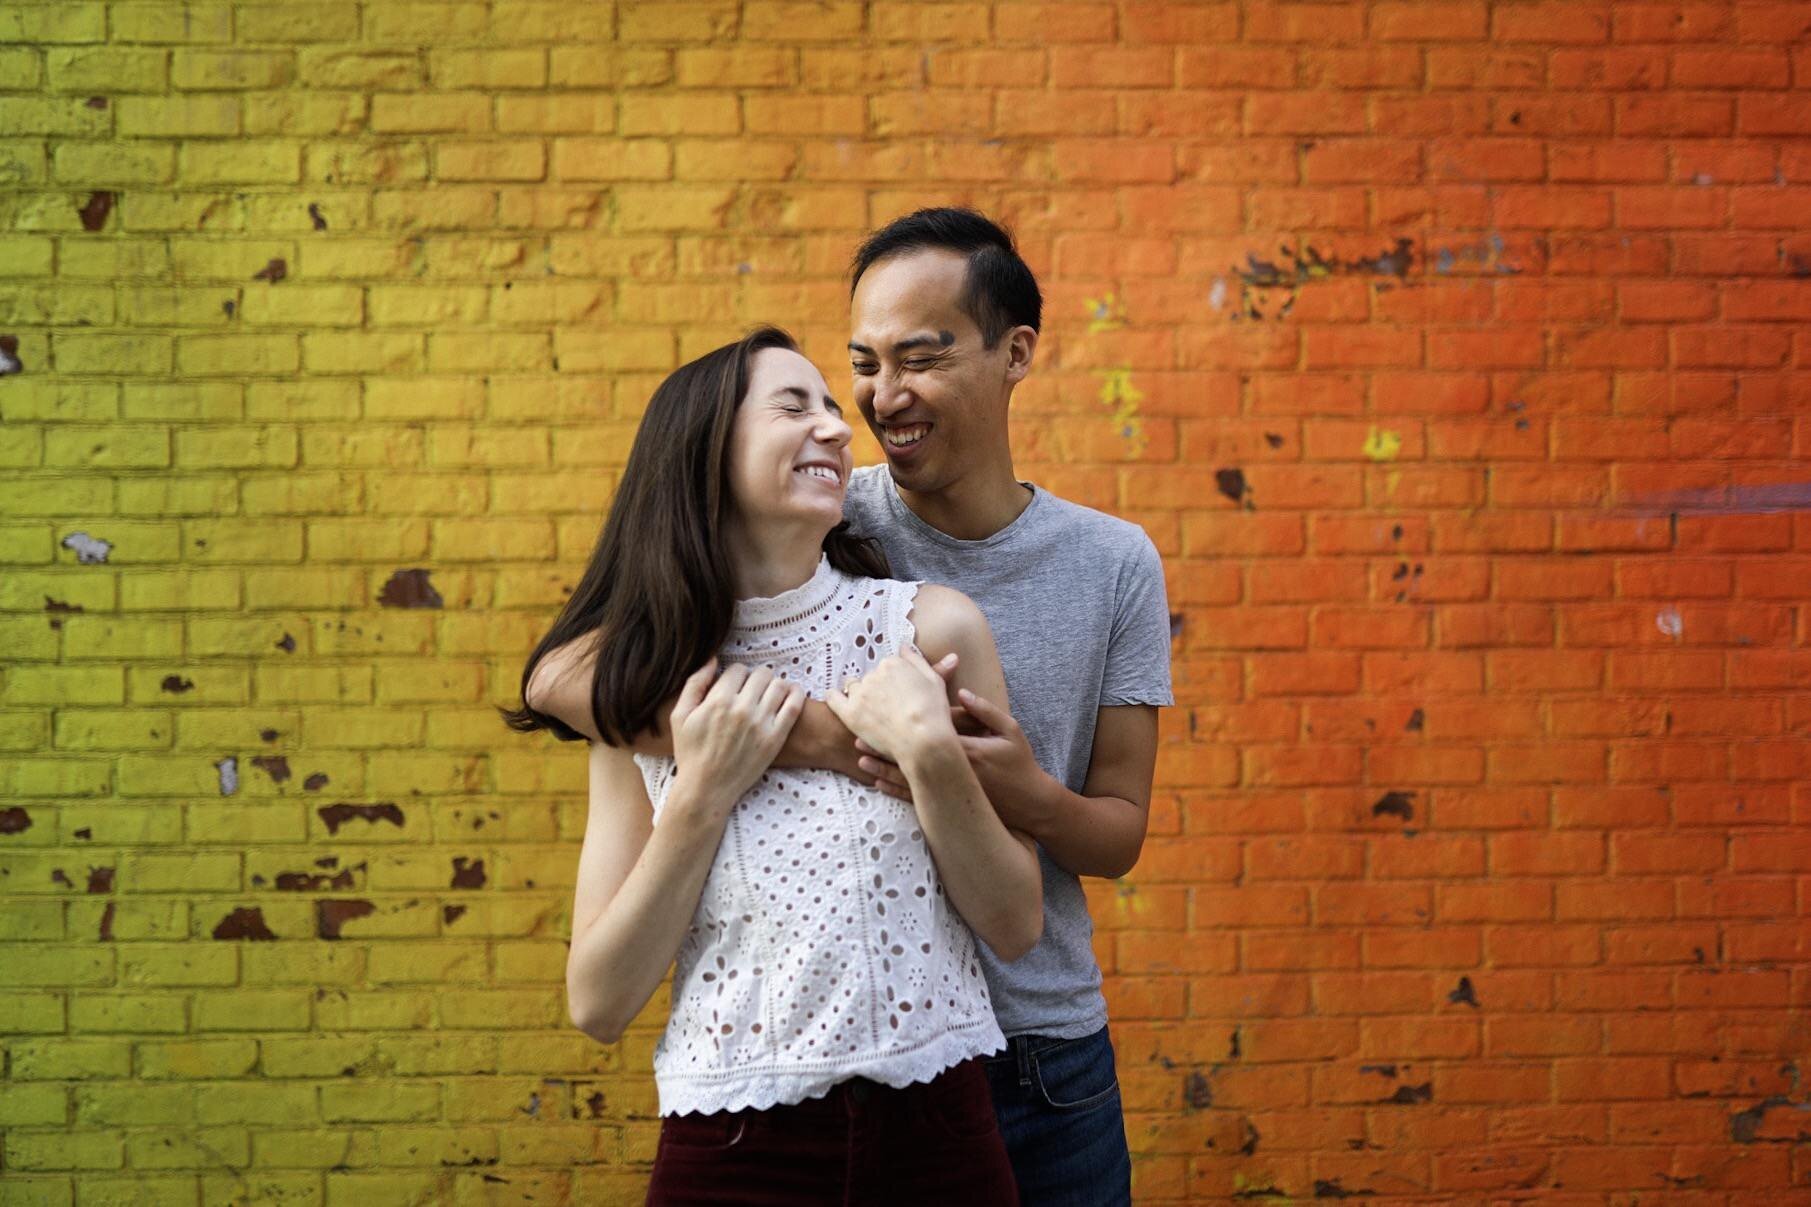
1104, 313
1118, 393
1382, 444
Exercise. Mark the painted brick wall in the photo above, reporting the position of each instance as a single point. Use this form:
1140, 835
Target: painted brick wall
1454, 353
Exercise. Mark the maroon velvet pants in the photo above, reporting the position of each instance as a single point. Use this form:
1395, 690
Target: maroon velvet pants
863, 1143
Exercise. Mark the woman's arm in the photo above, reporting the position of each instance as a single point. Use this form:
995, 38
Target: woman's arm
638, 882
902, 708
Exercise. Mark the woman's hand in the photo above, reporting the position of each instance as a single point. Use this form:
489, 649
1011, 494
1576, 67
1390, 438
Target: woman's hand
900, 708
728, 727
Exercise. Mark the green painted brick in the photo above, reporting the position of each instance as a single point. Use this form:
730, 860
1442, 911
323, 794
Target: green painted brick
197, 1059
30, 1013
25, 1105
190, 1148
275, 1010
68, 1059
83, 1150
50, 965
127, 1104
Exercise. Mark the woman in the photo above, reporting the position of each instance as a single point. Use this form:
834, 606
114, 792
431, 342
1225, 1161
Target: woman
828, 1010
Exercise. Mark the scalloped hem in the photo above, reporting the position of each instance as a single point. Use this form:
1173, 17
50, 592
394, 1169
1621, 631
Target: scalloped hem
763, 1088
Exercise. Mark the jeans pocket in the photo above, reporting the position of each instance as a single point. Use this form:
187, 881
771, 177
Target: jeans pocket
698, 1133
1076, 1075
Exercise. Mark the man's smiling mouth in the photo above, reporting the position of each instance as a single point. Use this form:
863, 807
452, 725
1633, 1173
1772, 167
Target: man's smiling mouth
905, 437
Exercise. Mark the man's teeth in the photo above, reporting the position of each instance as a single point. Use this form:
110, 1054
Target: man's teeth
900, 437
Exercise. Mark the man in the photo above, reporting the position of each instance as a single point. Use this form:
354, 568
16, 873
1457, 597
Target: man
944, 321
945, 318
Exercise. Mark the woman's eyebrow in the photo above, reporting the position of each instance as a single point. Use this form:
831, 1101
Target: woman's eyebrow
804, 395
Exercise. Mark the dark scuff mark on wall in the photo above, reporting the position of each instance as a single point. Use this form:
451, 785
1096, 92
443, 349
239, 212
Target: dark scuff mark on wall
100, 880
273, 765
338, 815
268, 735
176, 685
1197, 1091
594, 1104
106, 931
14, 820
315, 216
1411, 1095
273, 272
309, 882
1231, 483
94, 213
1380, 1070
244, 923
1416, 722
315, 782
58, 876
468, 873
1252, 1137
9, 356
95, 102
450, 914
229, 308
329, 916
287, 644
1273, 440
1304, 264
1329, 1188
1395, 804
84, 834
1464, 995
410, 589
57, 608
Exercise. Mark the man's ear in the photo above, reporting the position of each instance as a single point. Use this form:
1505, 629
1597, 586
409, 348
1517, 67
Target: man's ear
1021, 342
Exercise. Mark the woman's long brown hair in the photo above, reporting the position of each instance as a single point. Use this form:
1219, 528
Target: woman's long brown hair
659, 591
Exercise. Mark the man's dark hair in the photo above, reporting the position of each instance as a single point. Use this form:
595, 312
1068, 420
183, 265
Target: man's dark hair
1000, 294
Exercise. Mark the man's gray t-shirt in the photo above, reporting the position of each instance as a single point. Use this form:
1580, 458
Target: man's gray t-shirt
1076, 602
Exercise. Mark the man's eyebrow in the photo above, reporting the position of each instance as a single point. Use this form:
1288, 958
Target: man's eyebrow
927, 340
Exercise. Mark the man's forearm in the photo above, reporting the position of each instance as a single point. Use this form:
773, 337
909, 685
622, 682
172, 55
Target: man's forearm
1086, 835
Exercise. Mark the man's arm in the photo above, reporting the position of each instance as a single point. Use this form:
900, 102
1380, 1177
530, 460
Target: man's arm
1098, 831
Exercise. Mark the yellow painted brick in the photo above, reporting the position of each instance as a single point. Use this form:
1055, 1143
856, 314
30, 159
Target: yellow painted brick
312, 684
80, 1150
571, 398
27, 163
62, 1059
253, 1010
531, 962
188, 1148
237, 355
550, 493
437, 1146
249, 825
153, 211
195, 685
734, 159
319, 1055
359, 634
420, 23
39, 305
318, 114
101, 729
484, 352
367, 540
551, 21
428, 305
31, 921
20, 70
180, 21
425, 494
737, 67
460, 258
25, 544
27, 255
711, 21
241, 161
178, 965
388, 163
556, 113
54, 777
33, 1105
267, 1102
447, 208
27, 685
245, 636
122, 355
189, 116
425, 113
374, 1010
302, 401
802, 20
679, 113
424, 398
236, 447
457, 445
503, 160
488, 539
612, 159
488, 69
111, 259
309, 306
230, 70
165, 775
196, 495
363, 729
103, 637
352, 66
24, 732
178, 306
195, 1059
623, 348
364, 352
442, 1055
187, 589
113, 163
106, 69
596, 66
443, 963
120, 825
130, 447
21, 448
301, 494
31, 965
190, 872
226, 260
586, 255
240, 729
58, 115
130, 920
26, 591
673, 209
327, 21
182, 400
260, 540
308, 587
128, 1014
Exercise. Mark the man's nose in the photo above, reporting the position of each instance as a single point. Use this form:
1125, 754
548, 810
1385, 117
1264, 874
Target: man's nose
890, 399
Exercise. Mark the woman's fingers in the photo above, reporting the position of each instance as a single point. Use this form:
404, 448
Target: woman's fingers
987, 712
696, 685
775, 695
790, 707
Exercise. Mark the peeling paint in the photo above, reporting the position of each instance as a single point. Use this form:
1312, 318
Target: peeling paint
88, 550
105, 933
1411, 1095
84, 833
1464, 994
338, 815
100, 880
273, 272
315, 782
229, 775
176, 685
9, 356
1105, 313
1669, 621
308, 882
1395, 804
1231, 483
467, 873
329, 916
1727, 500
1416, 722
450, 914
273, 765
1216, 294
14, 820
94, 212
410, 589
315, 216
1381, 444
287, 644
244, 923
1197, 1091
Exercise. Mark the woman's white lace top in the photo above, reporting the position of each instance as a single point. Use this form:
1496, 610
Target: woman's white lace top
823, 947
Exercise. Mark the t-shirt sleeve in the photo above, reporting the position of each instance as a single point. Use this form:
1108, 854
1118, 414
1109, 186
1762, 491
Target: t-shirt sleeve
1138, 658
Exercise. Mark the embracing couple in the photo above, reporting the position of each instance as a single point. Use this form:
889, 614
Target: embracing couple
856, 734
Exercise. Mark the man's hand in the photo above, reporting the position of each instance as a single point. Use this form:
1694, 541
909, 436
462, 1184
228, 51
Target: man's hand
998, 751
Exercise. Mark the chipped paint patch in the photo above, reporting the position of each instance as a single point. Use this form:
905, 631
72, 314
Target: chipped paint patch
1381, 444
94, 212
1105, 313
409, 589
9, 356
338, 815
14, 820
467, 873
88, 550
176, 685
1119, 394
273, 765
247, 922
229, 775
1669, 621
273, 272
1216, 294
330, 916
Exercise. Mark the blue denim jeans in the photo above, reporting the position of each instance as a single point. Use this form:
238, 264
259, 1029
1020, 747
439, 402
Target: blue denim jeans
1058, 1105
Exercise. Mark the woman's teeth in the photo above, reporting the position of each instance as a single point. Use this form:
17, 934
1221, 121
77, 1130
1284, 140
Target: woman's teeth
821, 471
900, 437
